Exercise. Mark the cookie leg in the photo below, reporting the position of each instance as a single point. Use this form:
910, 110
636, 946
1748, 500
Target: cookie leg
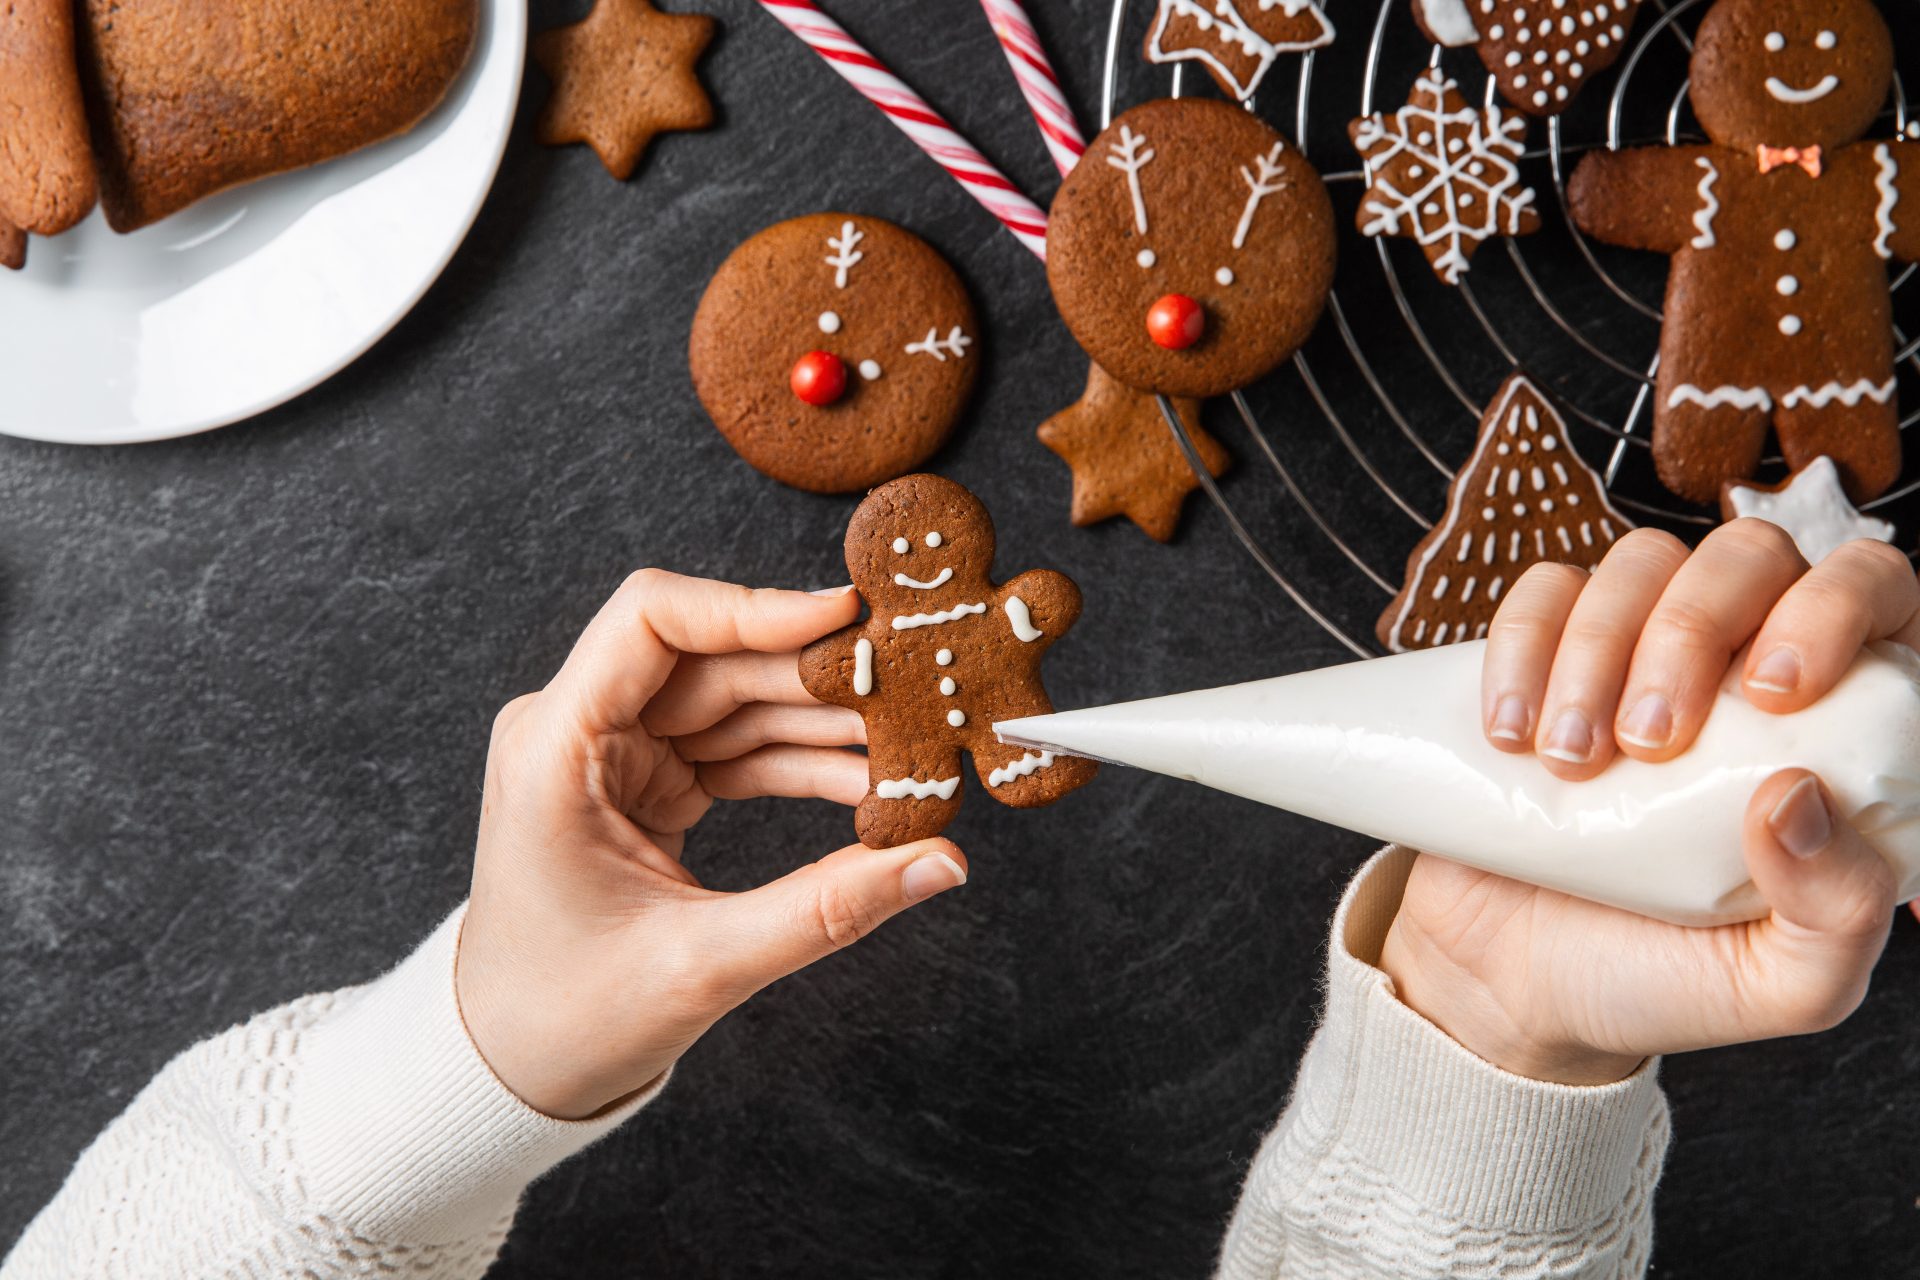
1028, 779
1697, 448
915, 794
1863, 440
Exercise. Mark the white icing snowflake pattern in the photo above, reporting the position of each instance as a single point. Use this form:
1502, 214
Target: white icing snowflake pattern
1443, 174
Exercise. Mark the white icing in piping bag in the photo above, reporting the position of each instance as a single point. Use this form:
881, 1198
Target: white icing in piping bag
1393, 748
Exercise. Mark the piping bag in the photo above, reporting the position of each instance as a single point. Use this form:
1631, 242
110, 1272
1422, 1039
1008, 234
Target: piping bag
1393, 748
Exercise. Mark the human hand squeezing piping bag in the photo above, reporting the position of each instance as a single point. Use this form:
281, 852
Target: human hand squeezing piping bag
1607, 738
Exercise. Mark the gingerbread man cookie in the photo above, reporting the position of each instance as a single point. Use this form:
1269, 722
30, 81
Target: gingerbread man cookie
1237, 41
834, 351
944, 654
1524, 497
1540, 52
1444, 175
1778, 309
1192, 249
46, 159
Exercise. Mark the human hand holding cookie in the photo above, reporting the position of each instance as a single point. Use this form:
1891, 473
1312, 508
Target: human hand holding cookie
591, 956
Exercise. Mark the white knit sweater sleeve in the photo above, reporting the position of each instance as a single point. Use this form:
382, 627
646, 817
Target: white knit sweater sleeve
356, 1133
1402, 1154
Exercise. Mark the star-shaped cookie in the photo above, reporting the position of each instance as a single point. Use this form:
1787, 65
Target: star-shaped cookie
1124, 460
622, 76
1444, 174
1811, 505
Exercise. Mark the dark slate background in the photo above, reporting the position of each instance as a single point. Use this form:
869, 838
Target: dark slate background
246, 680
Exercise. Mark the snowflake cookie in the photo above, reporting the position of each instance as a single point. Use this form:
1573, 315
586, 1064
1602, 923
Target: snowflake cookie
1444, 175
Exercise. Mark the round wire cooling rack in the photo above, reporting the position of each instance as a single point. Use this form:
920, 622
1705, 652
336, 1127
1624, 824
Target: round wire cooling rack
1591, 314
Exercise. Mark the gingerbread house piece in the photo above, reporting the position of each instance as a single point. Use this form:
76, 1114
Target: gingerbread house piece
1524, 498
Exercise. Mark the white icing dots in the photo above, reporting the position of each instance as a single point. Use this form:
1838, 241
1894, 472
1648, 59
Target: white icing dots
1785, 241
947, 686
934, 539
829, 322
944, 657
1787, 286
1224, 276
901, 546
1826, 40
1775, 42
1791, 325
956, 717
870, 369
1146, 258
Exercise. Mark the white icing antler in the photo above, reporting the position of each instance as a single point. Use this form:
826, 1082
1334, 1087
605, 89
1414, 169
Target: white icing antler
1259, 188
844, 256
1130, 159
934, 345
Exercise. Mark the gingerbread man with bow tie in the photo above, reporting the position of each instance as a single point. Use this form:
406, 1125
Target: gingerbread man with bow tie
1778, 309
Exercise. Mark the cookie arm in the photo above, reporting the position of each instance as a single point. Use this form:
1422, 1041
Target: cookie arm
1897, 199
1652, 198
1038, 606
827, 667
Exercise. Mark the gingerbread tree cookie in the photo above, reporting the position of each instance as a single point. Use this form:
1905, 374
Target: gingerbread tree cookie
1524, 497
1540, 52
1237, 41
944, 654
621, 77
1444, 175
834, 351
1778, 309
1810, 506
1125, 462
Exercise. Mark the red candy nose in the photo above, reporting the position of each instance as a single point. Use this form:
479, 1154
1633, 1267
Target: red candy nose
819, 378
1176, 322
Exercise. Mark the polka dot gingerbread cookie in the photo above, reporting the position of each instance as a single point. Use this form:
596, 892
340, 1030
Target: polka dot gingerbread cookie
834, 351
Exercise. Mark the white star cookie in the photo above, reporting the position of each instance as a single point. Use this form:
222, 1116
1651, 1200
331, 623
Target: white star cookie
1812, 507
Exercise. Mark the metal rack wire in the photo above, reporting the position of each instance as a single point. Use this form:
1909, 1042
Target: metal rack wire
1626, 444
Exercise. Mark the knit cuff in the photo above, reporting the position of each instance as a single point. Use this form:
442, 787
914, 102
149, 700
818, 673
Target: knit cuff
1448, 1129
401, 1131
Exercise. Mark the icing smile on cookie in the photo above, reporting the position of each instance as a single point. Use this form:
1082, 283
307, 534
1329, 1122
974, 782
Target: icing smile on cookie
939, 580
1800, 97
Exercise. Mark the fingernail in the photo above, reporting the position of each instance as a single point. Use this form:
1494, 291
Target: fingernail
832, 591
1778, 672
1510, 720
1572, 738
935, 873
1800, 822
1650, 723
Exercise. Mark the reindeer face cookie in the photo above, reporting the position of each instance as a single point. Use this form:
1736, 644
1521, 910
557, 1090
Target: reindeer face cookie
834, 351
1192, 249
944, 655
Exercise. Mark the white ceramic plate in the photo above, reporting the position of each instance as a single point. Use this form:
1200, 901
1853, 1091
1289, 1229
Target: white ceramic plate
249, 298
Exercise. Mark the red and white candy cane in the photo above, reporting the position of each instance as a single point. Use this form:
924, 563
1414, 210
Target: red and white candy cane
1041, 88
919, 121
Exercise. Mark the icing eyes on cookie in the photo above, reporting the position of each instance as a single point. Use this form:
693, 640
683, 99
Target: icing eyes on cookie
1775, 42
1146, 258
901, 546
1826, 40
934, 539
1224, 276
829, 322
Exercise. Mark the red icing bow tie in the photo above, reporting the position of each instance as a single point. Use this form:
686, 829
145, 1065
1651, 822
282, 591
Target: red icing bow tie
1807, 158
